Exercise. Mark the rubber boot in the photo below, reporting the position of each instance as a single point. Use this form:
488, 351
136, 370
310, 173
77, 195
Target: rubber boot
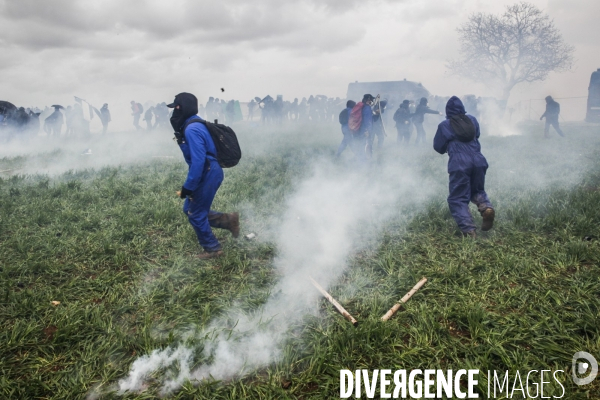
488, 219
234, 224
471, 234
231, 222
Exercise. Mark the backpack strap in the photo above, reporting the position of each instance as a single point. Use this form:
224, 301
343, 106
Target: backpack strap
202, 121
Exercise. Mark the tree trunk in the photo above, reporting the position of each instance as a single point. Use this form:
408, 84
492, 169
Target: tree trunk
504, 98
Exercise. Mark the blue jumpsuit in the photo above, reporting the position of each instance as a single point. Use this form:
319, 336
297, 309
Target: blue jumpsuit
204, 178
466, 167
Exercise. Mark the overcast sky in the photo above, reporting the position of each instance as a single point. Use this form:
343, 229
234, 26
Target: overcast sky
115, 51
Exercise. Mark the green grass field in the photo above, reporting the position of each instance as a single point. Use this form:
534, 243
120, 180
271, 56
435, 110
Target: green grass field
113, 247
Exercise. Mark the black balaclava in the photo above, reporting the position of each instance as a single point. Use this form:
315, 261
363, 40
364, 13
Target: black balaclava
188, 106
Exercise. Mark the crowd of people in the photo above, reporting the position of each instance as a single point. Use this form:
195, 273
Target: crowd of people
55, 120
409, 116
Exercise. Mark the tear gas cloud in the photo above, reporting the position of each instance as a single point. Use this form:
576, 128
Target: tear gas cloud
328, 216
333, 213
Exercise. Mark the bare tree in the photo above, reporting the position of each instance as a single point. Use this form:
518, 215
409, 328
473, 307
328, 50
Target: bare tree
521, 45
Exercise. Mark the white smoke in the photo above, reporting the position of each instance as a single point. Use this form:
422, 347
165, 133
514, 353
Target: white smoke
327, 218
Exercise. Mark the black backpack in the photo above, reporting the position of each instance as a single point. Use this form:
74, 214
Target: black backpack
141, 107
344, 117
463, 127
228, 148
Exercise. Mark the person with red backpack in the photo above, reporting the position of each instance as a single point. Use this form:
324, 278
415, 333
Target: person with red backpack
361, 125
344, 118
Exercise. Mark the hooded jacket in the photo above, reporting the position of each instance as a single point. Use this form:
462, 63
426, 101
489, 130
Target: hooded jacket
198, 150
462, 156
402, 116
552, 109
422, 109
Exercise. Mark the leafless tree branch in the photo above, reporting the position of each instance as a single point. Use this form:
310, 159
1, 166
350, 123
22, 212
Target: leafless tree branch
521, 45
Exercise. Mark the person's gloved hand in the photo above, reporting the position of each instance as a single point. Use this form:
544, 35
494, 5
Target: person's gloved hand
185, 192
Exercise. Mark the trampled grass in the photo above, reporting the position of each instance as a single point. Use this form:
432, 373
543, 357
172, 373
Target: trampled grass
113, 247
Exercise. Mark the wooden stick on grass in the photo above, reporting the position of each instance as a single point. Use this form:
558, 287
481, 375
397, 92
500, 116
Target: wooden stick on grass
337, 305
403, 300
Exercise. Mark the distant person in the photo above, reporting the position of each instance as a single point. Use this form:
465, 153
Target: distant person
211, 112
105, 118
378, 129
266, 106
230, 111
551, 115
22, 119
419, 118
294, 110
33, 125
458, 136
251, 107
136, 111
148, 115
162, 112
402, 118
54, 122
347, 134
203, 178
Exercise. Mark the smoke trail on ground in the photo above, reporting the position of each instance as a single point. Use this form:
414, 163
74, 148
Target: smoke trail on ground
327, 218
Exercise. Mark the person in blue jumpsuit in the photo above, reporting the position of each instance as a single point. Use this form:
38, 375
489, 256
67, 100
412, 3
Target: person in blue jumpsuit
204, 176
344, 115
458, 136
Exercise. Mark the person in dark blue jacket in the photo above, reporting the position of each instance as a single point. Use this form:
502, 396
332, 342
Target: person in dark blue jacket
551, 115
344, 116
402, 117
419, 117
458, 136
204, 176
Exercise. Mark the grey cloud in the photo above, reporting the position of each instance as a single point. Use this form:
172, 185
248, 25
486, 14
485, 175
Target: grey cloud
38, 25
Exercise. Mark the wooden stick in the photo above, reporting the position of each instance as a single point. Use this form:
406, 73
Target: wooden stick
337, 305
403, 300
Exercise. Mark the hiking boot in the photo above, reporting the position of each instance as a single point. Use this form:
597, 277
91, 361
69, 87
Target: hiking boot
488, 219
470, 234
210, 254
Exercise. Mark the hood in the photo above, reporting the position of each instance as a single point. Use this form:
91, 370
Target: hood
188, 104
454, 107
